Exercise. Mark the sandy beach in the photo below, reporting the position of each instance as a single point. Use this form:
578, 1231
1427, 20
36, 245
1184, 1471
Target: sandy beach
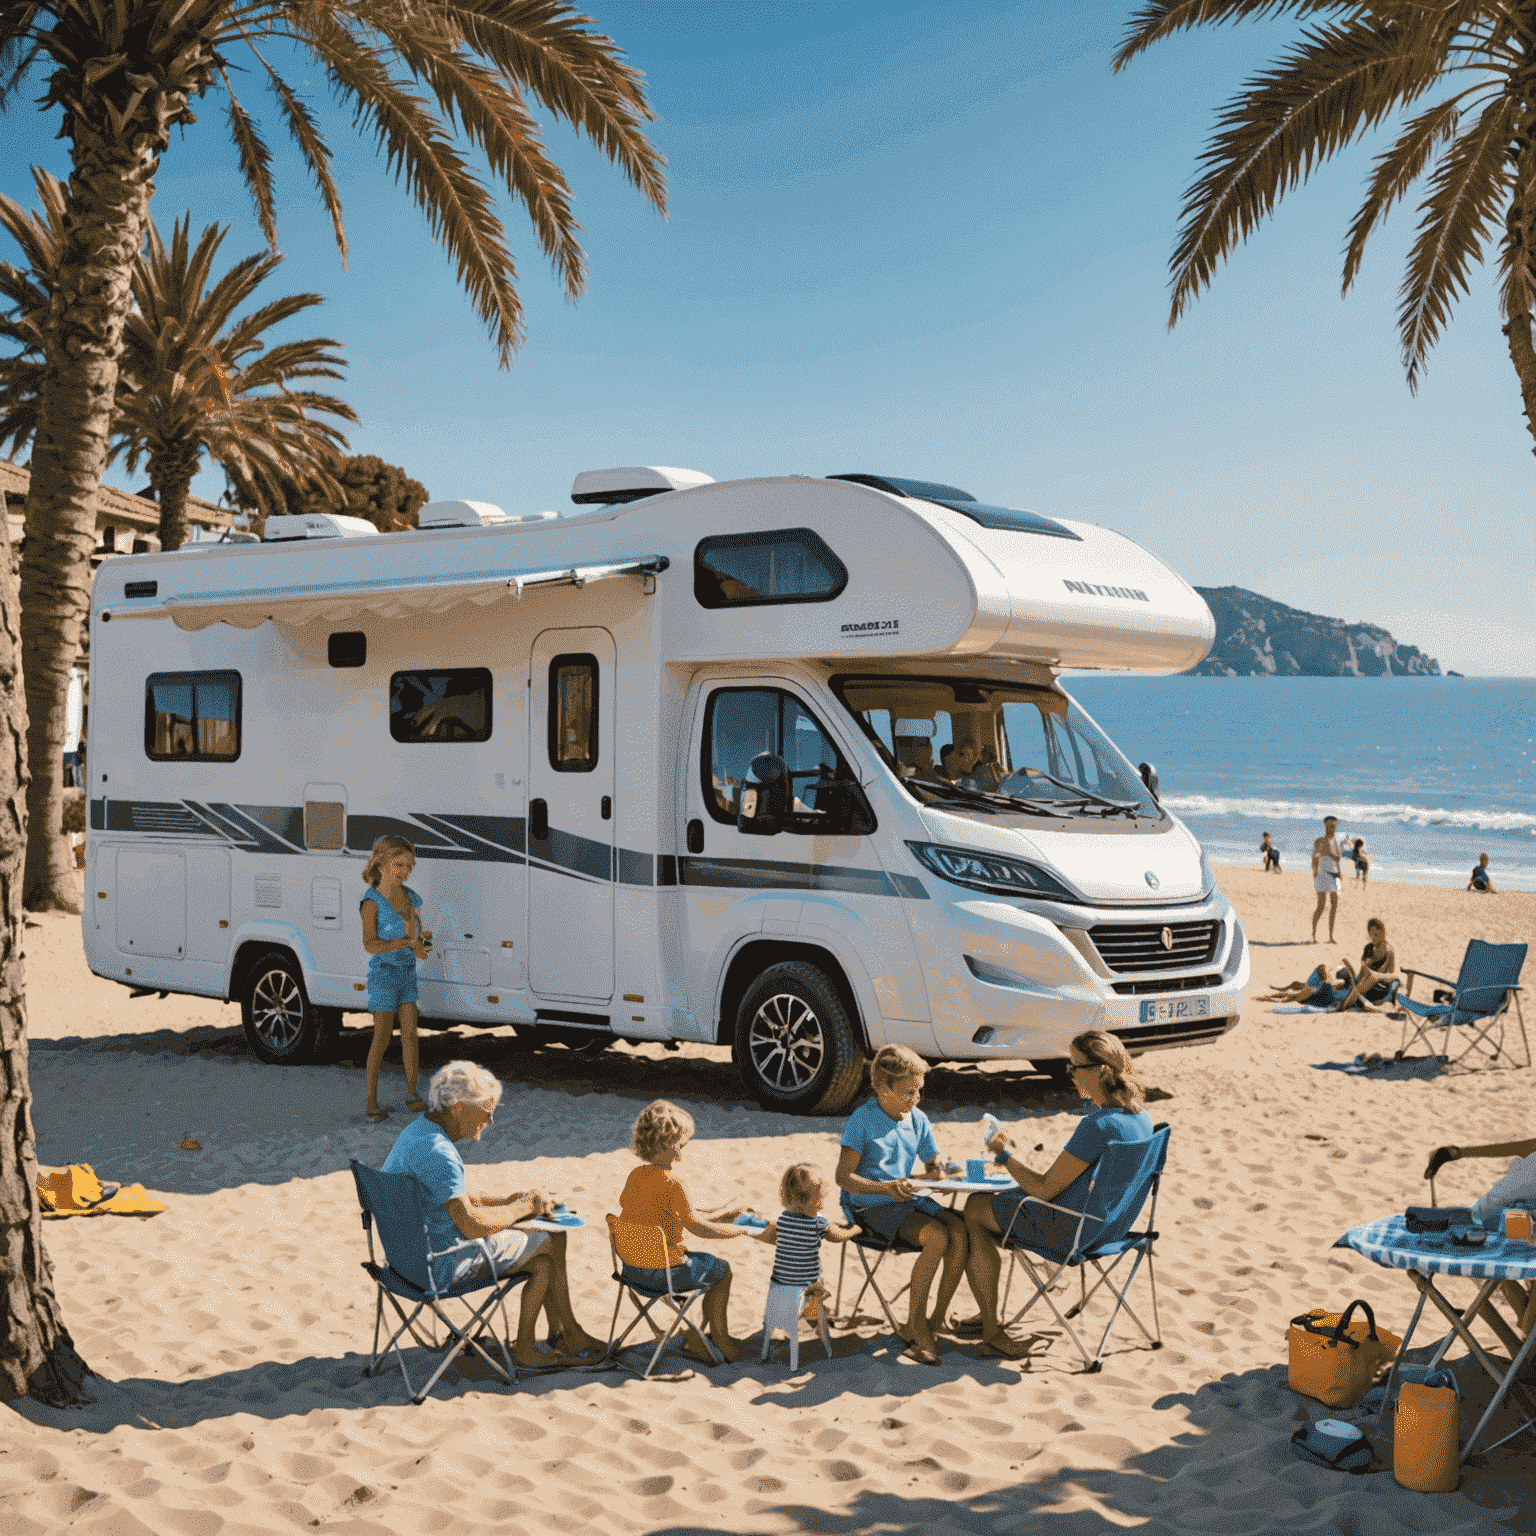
230, 1333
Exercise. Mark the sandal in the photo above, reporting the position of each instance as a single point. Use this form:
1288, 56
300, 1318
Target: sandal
998, 1348
415, 1105
376, 1116
921, 1355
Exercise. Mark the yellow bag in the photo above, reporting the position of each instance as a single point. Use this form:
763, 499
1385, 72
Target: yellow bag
1426, 1454
1335, 1360
76, 1191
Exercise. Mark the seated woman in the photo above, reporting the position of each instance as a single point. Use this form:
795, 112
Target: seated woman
1371, 985
1101, 1069
1315, 992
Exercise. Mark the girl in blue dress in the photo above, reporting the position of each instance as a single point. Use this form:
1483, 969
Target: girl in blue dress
395, 941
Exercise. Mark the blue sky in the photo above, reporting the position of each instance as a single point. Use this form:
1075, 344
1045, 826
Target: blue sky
932, 240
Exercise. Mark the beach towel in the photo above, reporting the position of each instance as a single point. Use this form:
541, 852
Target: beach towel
76, 1191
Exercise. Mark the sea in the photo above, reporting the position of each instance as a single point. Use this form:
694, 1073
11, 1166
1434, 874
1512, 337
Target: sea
1430, 771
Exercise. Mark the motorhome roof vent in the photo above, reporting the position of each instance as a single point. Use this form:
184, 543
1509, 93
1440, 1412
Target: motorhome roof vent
611, 487
460, 514
314, 525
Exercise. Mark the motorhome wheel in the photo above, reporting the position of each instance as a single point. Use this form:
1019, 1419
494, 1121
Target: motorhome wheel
795, 1045
281, 1023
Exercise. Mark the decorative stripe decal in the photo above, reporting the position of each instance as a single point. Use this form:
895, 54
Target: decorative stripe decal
279, 829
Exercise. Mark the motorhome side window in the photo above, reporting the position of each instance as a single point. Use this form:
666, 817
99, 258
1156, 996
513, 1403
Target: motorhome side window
192, 717
745, 721
446, 705
779, 565
573, 714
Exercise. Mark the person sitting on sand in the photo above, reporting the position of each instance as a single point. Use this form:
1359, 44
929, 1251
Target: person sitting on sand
652, 1197
1481, 880
1372, 983
461, 1103
1362, 861
1101, 1071
1315, 992
1327, 858
1269, 854
884, 1137
799, 1231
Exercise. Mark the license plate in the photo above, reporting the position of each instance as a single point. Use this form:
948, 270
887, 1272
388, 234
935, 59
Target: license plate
1174, 1009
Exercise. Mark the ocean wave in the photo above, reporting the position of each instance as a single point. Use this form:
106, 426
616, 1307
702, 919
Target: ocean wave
1351, 814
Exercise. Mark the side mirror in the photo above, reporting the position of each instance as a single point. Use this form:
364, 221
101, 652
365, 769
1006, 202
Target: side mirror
765, 796
1149, 777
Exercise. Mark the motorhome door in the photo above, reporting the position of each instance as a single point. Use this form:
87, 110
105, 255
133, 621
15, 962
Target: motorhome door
570, 815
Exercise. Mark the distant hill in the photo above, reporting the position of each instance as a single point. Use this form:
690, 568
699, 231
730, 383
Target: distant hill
1258, 637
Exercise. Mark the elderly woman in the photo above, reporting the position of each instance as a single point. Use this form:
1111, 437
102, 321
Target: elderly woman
1101, 1069
461, 1102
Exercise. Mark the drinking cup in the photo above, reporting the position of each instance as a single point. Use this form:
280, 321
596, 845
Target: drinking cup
1517, 1224
975, 1169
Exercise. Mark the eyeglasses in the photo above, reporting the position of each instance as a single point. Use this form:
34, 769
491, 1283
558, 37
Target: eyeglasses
1083, 1066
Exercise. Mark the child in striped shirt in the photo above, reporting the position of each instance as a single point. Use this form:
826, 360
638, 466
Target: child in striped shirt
799, 1231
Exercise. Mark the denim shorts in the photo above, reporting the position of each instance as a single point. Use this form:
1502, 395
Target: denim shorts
698, 1271
884, 1219
390, 986
1038, 1229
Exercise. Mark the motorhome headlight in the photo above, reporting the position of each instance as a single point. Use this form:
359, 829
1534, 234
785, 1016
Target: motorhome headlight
1207, 877
990, 872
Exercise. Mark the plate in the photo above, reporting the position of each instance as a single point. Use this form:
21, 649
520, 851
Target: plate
752, 1223
1173, 1009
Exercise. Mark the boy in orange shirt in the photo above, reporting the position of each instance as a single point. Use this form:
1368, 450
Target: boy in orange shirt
654, 1198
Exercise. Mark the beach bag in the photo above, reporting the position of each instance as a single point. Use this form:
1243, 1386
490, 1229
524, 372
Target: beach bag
1426, 1453
1336, 1360
1437, 1218
1376, 1401
1338, 1446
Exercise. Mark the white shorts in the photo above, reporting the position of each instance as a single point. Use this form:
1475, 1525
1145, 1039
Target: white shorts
509, 1249
1325, 883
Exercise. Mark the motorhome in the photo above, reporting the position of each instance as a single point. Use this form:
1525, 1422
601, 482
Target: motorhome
781, 765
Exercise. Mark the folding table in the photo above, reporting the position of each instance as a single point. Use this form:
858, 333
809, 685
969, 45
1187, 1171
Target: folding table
1426, 1255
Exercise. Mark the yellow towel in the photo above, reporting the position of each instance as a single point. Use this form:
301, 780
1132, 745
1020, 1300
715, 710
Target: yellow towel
76, 1191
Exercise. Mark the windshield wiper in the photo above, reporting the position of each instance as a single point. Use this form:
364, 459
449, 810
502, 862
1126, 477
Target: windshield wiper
992, 802
1084, 797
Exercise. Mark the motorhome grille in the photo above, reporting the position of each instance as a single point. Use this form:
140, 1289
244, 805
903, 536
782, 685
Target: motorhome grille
1154, 1037
1141, 948
1166, 984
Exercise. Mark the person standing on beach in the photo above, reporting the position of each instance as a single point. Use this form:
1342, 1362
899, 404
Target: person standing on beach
1362, 861
1326, 861
395, 941
1481, 880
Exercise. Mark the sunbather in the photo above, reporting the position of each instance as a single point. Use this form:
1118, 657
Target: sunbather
461, 1103
1371, 985
1315, 992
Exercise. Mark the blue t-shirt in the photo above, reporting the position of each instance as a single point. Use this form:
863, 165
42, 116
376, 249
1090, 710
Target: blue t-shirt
424, 1150
888, 1149
1479, 877
1098, 1129
390, 925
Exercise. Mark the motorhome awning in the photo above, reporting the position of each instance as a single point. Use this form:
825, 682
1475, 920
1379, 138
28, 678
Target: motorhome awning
394, 598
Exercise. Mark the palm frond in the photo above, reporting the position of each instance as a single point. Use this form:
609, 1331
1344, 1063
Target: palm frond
1467, 190
1162, 18
255, 163
316, 152
1335, 85
1395, 172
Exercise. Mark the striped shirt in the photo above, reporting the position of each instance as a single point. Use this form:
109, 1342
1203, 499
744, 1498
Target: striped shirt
797, 1254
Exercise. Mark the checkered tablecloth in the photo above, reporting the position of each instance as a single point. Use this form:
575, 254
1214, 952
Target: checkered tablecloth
1388, 1242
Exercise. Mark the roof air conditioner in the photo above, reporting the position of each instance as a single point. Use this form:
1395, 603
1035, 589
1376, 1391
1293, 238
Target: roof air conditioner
612, 487
314, 525
460, 514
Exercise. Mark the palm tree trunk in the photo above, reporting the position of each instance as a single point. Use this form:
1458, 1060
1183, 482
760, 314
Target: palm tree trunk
109, 196
172, 479
37, 1355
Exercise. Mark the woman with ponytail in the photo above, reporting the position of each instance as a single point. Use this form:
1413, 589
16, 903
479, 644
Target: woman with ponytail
395, 941
1101, 1070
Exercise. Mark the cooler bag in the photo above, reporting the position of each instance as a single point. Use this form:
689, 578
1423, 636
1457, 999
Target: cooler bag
1336, 1360
1426, 1452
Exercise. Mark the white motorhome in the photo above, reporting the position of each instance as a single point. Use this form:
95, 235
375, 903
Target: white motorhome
778, 764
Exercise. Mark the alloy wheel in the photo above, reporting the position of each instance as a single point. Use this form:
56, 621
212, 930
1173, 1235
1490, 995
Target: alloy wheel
277, 1011
785, 1042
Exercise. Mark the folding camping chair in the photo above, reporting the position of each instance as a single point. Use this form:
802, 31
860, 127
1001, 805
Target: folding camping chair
864, 1242
394, 1201
645, 1247
1123, 1179
1481, 997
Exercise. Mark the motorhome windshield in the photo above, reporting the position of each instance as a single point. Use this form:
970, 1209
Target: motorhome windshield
993, 747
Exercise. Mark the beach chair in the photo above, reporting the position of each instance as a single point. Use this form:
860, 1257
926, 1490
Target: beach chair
1483, 996
864, 1243
395, 1202
782, 1311
1521, 1299
1124, 1179
645, 1247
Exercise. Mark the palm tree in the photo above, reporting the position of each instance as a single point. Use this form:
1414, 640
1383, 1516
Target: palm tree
415, 72
424, 77
1357, 67
25, 294
188, 387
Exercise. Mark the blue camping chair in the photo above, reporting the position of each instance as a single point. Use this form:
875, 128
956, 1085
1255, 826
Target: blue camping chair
1124, 1178
395, 1202
865, 1242
1481, 998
